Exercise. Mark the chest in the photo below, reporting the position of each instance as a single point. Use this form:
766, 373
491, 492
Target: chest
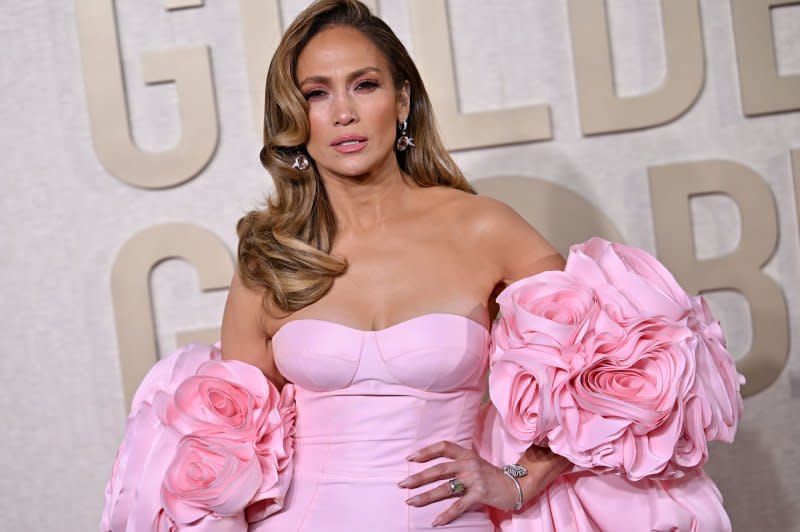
428, 271
397, 275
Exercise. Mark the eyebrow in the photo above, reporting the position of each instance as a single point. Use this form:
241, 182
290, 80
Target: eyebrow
326, 80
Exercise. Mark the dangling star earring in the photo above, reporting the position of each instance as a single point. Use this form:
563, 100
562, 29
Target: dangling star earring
300, 162
404, 141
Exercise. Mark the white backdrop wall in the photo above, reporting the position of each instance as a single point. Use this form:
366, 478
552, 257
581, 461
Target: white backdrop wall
65, 216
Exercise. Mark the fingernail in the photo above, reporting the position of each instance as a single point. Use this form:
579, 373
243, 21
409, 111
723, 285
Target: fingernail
403, 483
437, 521
411, 500
412, 456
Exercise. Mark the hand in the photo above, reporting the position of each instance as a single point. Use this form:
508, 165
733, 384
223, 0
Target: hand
484, 482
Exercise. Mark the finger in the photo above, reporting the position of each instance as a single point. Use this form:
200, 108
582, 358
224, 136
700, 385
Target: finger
438, 493
443, 448
430, 474
456, 509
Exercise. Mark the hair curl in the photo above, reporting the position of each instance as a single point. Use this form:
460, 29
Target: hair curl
284, 249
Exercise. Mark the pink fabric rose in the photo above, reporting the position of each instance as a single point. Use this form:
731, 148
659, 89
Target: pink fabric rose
275, 450
227, 399
628, 279
622, 410
549, 309
232, 400
170, 371
717, 377
209, 475
542, 317
613, 365
275, 437
208, 440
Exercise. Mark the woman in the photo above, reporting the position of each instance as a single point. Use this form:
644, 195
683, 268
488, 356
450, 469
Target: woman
422, 252
366, 287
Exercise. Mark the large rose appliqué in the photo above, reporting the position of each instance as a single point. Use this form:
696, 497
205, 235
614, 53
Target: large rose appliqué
208, 446
613, 365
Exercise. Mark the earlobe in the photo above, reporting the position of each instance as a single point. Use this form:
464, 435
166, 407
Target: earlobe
404, 102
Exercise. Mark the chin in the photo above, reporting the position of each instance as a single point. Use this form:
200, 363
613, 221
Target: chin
353, 168
354, 173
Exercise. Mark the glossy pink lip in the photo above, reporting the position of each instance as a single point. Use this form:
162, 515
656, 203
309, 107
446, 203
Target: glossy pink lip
353, 144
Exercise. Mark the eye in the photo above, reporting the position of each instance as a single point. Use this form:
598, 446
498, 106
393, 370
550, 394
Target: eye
314, 94
367, 85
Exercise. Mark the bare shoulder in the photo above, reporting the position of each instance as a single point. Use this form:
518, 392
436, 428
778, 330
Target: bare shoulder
485, 218
499, 232
464, 206
487, 214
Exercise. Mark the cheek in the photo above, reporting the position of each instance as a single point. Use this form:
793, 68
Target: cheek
387, 111
316, 124
383, 120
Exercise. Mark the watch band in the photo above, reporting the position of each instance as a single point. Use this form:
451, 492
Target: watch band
515, 471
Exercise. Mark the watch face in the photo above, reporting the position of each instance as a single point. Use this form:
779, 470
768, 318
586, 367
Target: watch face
516, 470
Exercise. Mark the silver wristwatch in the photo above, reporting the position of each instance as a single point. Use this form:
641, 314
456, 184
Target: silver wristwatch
515, 471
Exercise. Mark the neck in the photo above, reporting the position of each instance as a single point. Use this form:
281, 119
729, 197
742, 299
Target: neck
364, 203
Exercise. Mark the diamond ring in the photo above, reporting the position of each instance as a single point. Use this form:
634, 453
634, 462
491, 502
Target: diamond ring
457, 488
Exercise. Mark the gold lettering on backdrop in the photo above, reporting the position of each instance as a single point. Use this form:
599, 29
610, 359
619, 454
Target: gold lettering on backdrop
188, 67
208, 335
601, 110
543, 205
796, 173
763, 90
130, 288
261, 33
181, 4
430, 31
672, 186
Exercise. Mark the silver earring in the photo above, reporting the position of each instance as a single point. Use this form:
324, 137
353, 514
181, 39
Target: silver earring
404, 141
300, 162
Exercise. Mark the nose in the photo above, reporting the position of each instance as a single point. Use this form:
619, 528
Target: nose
343, 111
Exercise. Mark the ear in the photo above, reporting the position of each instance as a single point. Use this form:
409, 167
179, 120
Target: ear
403, 101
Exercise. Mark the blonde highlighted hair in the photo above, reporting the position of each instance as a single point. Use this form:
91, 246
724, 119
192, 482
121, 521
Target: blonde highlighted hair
284, 249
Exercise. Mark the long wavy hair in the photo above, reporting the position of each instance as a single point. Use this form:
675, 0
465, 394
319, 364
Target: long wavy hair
284, 248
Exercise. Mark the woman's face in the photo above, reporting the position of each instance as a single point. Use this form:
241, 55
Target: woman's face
353, 105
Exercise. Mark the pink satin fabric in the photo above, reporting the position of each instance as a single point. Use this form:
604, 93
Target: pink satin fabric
365, 401
609, 362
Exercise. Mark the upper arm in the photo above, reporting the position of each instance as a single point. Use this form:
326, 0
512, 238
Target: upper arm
515, 246
243, 335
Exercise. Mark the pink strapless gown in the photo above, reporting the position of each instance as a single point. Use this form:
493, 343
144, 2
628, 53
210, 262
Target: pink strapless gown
367, 399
